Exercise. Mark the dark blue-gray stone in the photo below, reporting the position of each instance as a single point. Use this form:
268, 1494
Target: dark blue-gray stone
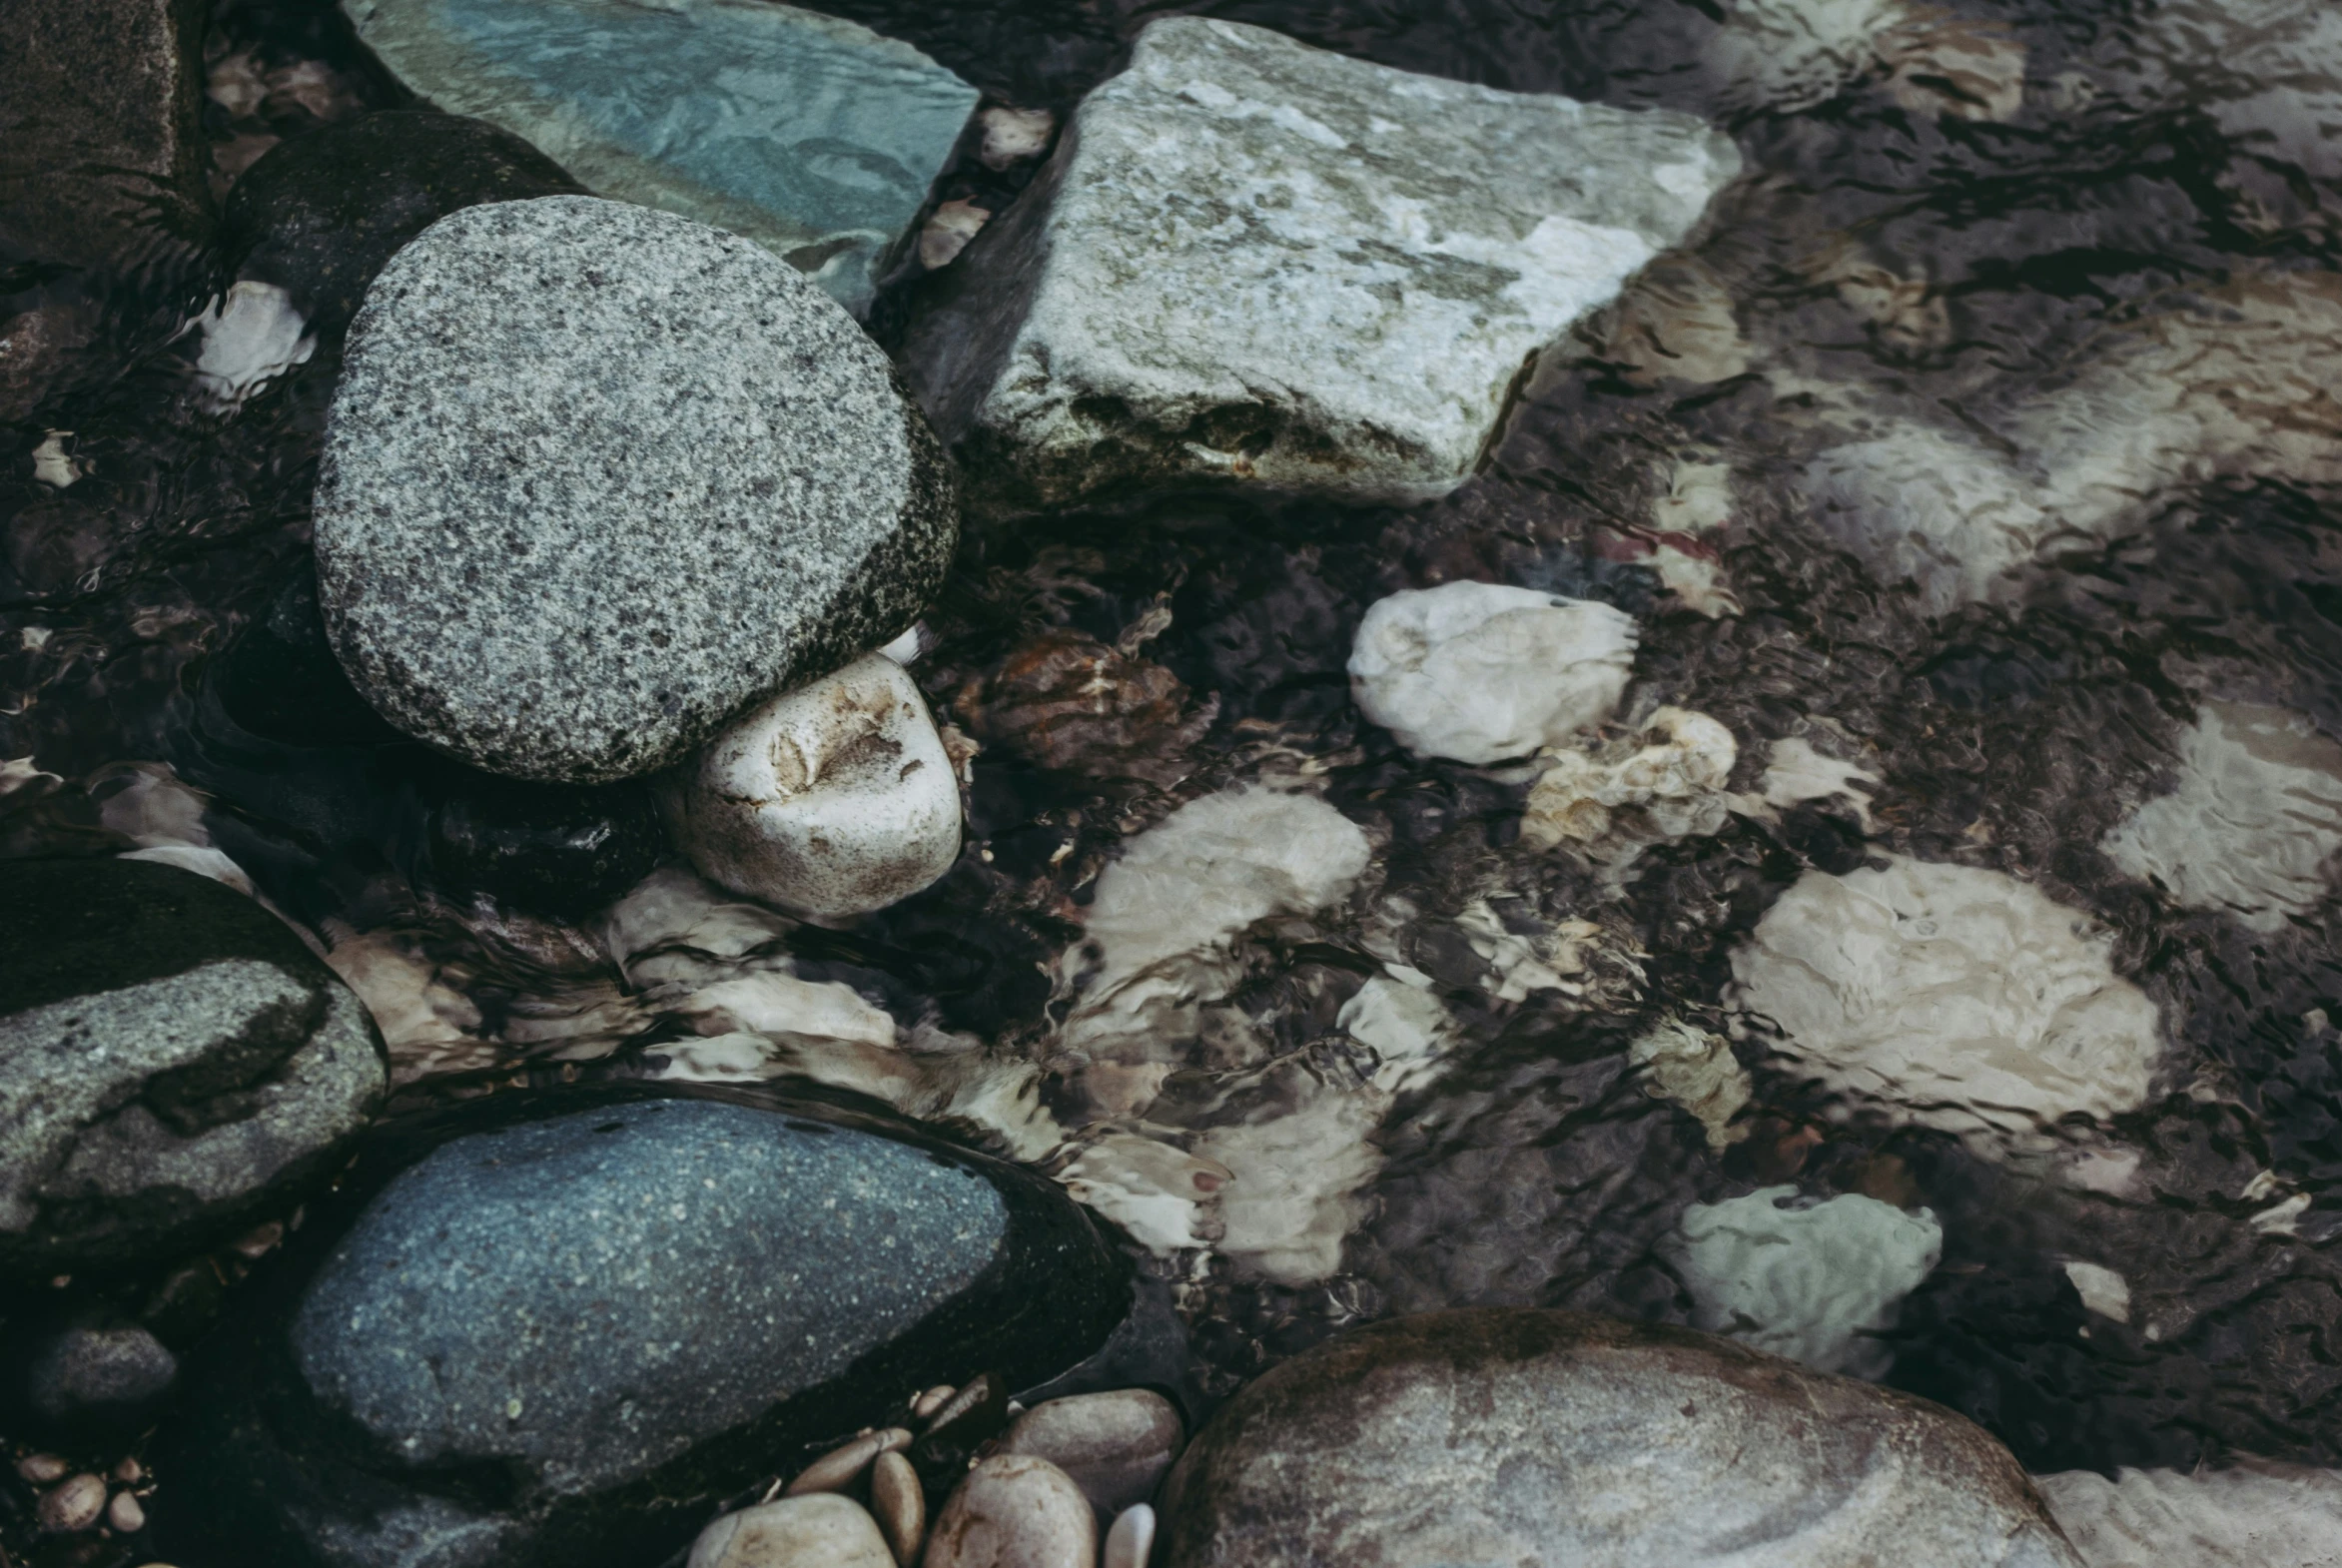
563, 1328
815, 137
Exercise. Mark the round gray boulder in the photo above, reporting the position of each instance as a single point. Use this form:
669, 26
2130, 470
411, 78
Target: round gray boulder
1544, 1438
173, 1063
596, 478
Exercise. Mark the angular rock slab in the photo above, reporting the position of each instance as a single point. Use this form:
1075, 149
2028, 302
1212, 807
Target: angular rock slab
173, 1063
813, 136
596, 478
564, 1328
1253, 260
1549, 1440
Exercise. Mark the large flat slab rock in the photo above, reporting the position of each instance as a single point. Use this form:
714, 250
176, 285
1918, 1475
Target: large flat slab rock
563, 1329
813, 136
597, 478
1549, 1440
1253, 260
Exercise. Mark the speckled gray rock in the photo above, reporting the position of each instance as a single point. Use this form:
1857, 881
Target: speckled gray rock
1540, 1439
623, 1313
172, 1062
1256, 261
1115, 1444
811, 135
108, 1378
596, 478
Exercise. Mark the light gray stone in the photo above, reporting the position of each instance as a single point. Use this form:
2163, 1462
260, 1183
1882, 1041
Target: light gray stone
1015, 1511
180, 1062
596, 478
1116, 1446
819, 1531
812, 136
834, 799
1252, 260
1540, 1439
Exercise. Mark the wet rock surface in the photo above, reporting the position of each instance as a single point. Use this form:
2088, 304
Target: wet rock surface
1015, 1511
608, 539
1552, 1437
174, 1060
1116, 1446
618, 1311
811, 135
1345, 266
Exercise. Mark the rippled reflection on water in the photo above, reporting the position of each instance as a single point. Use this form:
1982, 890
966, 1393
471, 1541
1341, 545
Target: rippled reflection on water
2054, 274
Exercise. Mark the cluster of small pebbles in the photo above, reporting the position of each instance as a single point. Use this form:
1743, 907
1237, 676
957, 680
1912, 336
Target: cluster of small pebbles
1068, 1483
73, 1502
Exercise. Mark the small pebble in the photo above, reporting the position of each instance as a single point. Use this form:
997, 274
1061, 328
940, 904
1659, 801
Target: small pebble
948, 232
73, 1506
259, 1242
1116, 1446
1015, 1511
41, 1469
820, 1531
836, 1471
125, 1514
966, 1421
931, 1401
1012, 135
1131, 1539
899, 1505
129, 1472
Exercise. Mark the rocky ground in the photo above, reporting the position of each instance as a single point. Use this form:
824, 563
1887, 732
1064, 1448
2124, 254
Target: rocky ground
1064, 785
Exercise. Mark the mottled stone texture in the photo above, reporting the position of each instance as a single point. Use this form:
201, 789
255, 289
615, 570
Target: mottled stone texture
813, 136
563, 1329
1253, 260
1548, 1439
173, 1061
596, 478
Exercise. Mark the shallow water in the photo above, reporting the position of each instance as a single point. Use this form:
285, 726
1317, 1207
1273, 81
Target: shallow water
2058, 273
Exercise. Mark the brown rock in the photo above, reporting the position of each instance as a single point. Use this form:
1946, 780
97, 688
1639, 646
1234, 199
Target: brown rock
1114, 1445
1065, 702
899, 1504
822, 1530
837, 1469
1539, 1439
74, 1505
1015, 1511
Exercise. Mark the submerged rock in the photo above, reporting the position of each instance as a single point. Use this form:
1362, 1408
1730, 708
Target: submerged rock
1014, 1511
1553, 1439
1950, 996
1114, 1445
103, 1379
2255, 819
173, 1063
1817, 1283
596, 478
2255, 1515
321, 215
834, 799
1256, 261
820, 1531
617, 1310
1480, 673
811, 135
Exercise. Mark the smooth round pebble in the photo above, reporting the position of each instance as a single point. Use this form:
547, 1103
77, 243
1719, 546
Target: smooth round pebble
74, 1505
834, 799
821, 1530
1116, 1446
42, 1469
836, 1471
931, 1401
125, 1513
1015, 1511
1130, 1539
899, 1504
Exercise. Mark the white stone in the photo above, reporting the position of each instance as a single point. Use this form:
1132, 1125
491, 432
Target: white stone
1251, 260
831, 800
1697, 1070
1480, 673
2258, 1515
53, 466
1131, 1538
1612, 801
2101, 1289
1010, 136
1295, 1178
1950, 996
1406, 1026
1817, 1283
251, 337
2252, 822
1795, 773
946, 232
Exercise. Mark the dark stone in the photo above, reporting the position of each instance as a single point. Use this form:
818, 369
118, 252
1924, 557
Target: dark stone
320, 215
103, 186
99, 1378
279, 680
1542, 1438
972, 1417
558, 848
561, 1329
173, 1063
